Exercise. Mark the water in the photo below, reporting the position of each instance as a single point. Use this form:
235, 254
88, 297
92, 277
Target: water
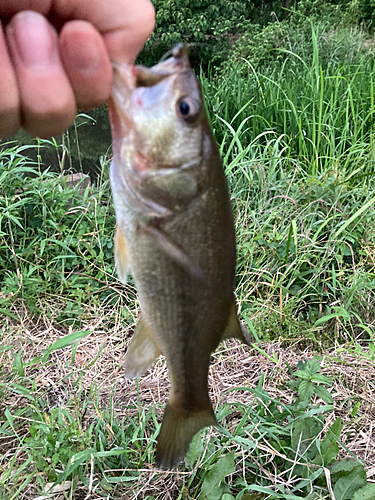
79, 149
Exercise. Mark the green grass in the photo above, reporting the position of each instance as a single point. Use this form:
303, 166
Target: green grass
298, 145
53, 238
297, 139
267, 447
319, 116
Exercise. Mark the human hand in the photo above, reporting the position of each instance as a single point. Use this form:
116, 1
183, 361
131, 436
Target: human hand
56, 57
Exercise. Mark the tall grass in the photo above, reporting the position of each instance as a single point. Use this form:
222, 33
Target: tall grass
297, 139
321, 116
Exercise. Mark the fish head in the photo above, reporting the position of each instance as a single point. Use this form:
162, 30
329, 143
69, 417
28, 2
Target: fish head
160, 133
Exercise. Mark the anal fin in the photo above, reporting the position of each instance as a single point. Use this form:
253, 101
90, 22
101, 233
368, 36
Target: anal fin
234, 329
142, 351
121, 256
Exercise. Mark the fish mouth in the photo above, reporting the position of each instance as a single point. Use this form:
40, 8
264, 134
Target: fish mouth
141, 167
148, 77
128, 78
132, 77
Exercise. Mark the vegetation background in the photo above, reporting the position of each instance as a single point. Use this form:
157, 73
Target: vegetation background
289, 90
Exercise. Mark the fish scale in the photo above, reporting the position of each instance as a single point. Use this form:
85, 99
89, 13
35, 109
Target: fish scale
175, 234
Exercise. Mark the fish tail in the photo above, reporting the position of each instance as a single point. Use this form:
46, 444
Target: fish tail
177, 430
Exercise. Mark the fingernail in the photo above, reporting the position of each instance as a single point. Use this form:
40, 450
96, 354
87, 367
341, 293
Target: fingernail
83, 57
33, 40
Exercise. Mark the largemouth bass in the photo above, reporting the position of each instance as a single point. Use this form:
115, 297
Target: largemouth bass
175, 235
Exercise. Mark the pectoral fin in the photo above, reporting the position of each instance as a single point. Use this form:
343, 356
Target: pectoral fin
173, 249
121, 256
142, 352
235, 329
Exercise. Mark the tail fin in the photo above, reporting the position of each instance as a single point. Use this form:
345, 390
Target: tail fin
178, 428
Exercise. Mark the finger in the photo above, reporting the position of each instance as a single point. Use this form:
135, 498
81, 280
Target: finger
127, 39
47, 99
86, 63
9, 98
125, 24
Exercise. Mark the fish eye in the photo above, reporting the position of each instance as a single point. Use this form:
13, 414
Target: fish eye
184, 108
187, 108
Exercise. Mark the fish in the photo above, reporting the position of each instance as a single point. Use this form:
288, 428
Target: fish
175, 235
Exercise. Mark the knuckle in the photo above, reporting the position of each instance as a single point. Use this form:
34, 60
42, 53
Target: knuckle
59, 109
148, 13
50, 118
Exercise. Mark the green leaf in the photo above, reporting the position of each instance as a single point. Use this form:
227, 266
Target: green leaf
336, 427
318, 377
301, 365
5, 348
324, 319
347, 465
322, 393
111, 453
270, 492
253, 496
329, 449
64, 342
19, 389
223, 467
311, 477
355, 409
121, 479
313, 366
365, 493
306, 390
346, 486
303, 432
196, 448
75, 461
7, 313
353, 217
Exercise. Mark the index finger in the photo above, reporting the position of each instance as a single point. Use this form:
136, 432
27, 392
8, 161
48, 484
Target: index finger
124, 24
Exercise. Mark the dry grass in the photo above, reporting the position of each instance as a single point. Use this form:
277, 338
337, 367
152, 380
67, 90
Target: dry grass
99, 358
